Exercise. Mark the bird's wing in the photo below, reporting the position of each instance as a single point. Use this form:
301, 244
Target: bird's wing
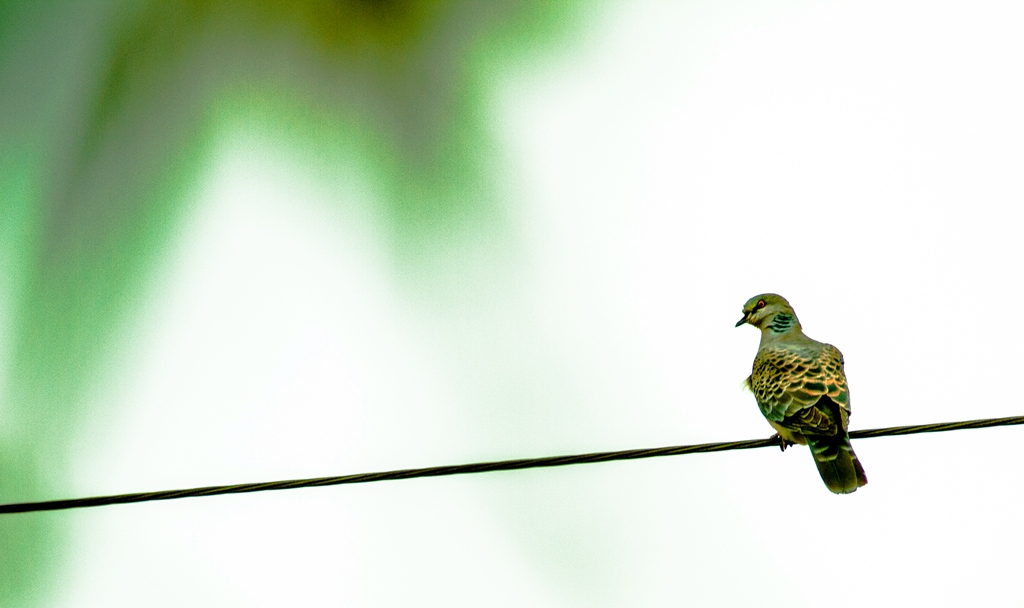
789, 380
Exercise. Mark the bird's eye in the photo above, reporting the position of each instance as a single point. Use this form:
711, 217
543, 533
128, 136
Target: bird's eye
760, 304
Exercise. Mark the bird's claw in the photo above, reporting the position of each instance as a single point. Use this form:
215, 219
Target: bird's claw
783, 443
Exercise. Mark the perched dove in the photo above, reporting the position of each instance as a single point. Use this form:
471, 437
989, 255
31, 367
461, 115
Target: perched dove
801, 389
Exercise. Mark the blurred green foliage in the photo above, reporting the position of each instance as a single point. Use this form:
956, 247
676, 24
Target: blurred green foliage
109, 114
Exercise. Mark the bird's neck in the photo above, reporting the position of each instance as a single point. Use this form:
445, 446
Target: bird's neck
783, 326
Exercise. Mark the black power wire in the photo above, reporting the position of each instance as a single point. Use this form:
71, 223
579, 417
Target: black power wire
481, 467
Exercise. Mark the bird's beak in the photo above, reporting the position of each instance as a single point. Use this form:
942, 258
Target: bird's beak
741, 321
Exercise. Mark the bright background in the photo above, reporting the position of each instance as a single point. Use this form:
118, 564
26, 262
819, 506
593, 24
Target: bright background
639, 169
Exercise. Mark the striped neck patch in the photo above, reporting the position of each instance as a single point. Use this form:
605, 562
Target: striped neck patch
783, 322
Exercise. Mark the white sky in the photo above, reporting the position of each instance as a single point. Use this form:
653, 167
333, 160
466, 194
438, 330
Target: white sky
861, 158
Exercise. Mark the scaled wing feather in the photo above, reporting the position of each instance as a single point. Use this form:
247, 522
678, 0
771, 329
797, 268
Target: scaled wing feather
789, 380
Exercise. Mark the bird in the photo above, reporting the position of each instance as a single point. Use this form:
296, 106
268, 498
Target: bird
800, 387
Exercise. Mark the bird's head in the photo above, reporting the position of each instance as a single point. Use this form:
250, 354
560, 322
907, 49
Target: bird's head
760, 310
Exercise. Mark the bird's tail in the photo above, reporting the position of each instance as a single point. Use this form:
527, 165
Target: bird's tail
837, 463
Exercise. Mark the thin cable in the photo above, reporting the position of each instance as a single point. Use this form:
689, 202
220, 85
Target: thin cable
480, 467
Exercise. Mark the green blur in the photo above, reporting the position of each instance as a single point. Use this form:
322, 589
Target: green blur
109, 115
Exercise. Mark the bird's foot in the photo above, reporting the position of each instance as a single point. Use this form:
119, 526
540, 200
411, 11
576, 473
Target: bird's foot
783, 442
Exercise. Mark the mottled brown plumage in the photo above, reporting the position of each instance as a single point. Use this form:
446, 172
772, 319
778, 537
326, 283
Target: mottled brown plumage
800, 387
